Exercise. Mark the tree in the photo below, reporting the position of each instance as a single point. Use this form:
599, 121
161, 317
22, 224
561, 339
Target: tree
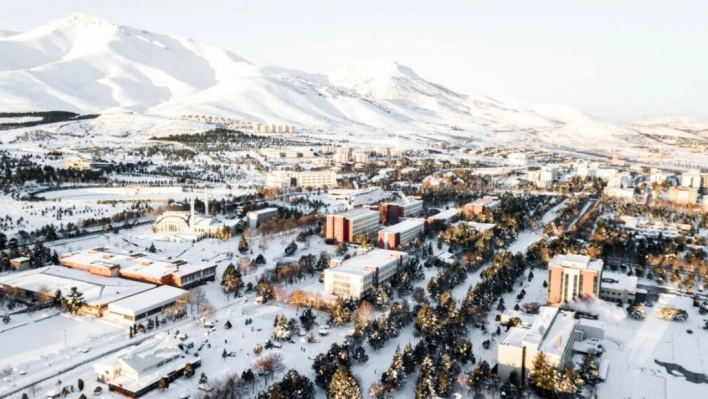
269, 364
340, 313
243, 245
163, 384
636, 311
307, 319
544, 376
343, 385
203, 379
73, 302
188, 370
282, 330
231, 279
569, 383
589, 370
290, 248
80, 384
294, 386
395, 376
425, 387
152, 248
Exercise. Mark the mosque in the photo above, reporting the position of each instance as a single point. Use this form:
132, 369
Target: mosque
178, 224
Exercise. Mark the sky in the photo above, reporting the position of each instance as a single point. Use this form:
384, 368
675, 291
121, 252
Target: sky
618, 59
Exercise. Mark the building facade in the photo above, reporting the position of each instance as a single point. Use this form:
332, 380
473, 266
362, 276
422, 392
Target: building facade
482, 204
400, 234
355, 275
346, 227
285, 179
683, 196
573, 276
255, 218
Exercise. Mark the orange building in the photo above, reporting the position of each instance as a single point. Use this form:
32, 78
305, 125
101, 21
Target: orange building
346, 227
573, 276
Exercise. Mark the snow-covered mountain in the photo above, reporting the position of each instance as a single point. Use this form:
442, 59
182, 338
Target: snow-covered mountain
85, 64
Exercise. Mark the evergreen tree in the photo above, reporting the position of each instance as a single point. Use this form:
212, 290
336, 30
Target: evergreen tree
80, 384
203, 379
343, 385
569, 383
340, 313
589, 370
307, 319
58, 298
282, 330
426, 321
444, 383
395, 376
290, 248
243, 245
152, 248
425, 387
294, 386
409, 363
544, 378
231, 279
73, 302
163, 384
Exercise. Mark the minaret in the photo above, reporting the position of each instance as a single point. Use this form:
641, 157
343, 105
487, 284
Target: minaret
191, 217
206, 202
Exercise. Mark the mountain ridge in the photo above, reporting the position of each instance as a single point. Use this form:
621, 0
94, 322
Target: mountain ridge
86, 64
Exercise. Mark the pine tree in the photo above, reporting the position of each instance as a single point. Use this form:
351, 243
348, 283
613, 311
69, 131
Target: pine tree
231, 279
163, 384
544, 376
243, 245
73, 302
307, 319
569, 383
282, 331
425, 387
395, 376
80, 384
340, 313
295, 386
343, 385
409, 364
444, 385
589, 370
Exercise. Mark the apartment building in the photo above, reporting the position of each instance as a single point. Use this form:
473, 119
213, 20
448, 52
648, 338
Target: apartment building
683, 195
285, 179
482, 204
352, 277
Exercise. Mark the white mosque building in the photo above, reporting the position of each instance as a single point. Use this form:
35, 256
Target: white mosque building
176, 224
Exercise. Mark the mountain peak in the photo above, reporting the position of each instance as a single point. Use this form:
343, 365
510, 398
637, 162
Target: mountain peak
80, 19
375, 69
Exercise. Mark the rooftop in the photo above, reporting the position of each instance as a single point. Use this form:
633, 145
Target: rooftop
405, 226
576, 262
618, 281
96, 290
359, 213
373, 258
446, 214
263, 211
146, 300
559, 333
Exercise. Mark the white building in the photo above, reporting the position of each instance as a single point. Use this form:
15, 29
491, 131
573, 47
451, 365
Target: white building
619, 193
275, 154
620, 180
517, 159
619, 288
657, 176
285, 179
341, 155
447, 216
355, 275
134, 371
138, 308
360, 156
179, 224
552, 332
541, 178
255, 218
692, 179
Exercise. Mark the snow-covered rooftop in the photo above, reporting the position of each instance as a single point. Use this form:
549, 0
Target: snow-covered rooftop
576, 262
404, 226
147, 300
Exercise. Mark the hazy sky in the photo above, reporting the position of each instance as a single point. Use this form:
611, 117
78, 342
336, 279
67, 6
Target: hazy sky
617, 59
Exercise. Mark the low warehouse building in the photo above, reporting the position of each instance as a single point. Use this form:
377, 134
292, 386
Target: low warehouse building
139, 307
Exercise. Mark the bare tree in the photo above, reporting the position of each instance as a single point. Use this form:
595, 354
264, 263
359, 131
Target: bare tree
364, 312
269, 364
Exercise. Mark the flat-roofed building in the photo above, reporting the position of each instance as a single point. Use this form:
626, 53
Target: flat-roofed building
98, 291
352, 277
400, 234
255, 218
347, 226
482, 204
285, 179
683, 195
692, 179
573, 276
135, 309
21, 263
620, 288
552, 332
619, 193
147, 268
446, 216
391, 212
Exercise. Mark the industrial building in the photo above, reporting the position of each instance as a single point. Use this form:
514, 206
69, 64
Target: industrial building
352, 277
104, 261
400, 234
347, 226
255, 218
285, 179
573, 276
481, 205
